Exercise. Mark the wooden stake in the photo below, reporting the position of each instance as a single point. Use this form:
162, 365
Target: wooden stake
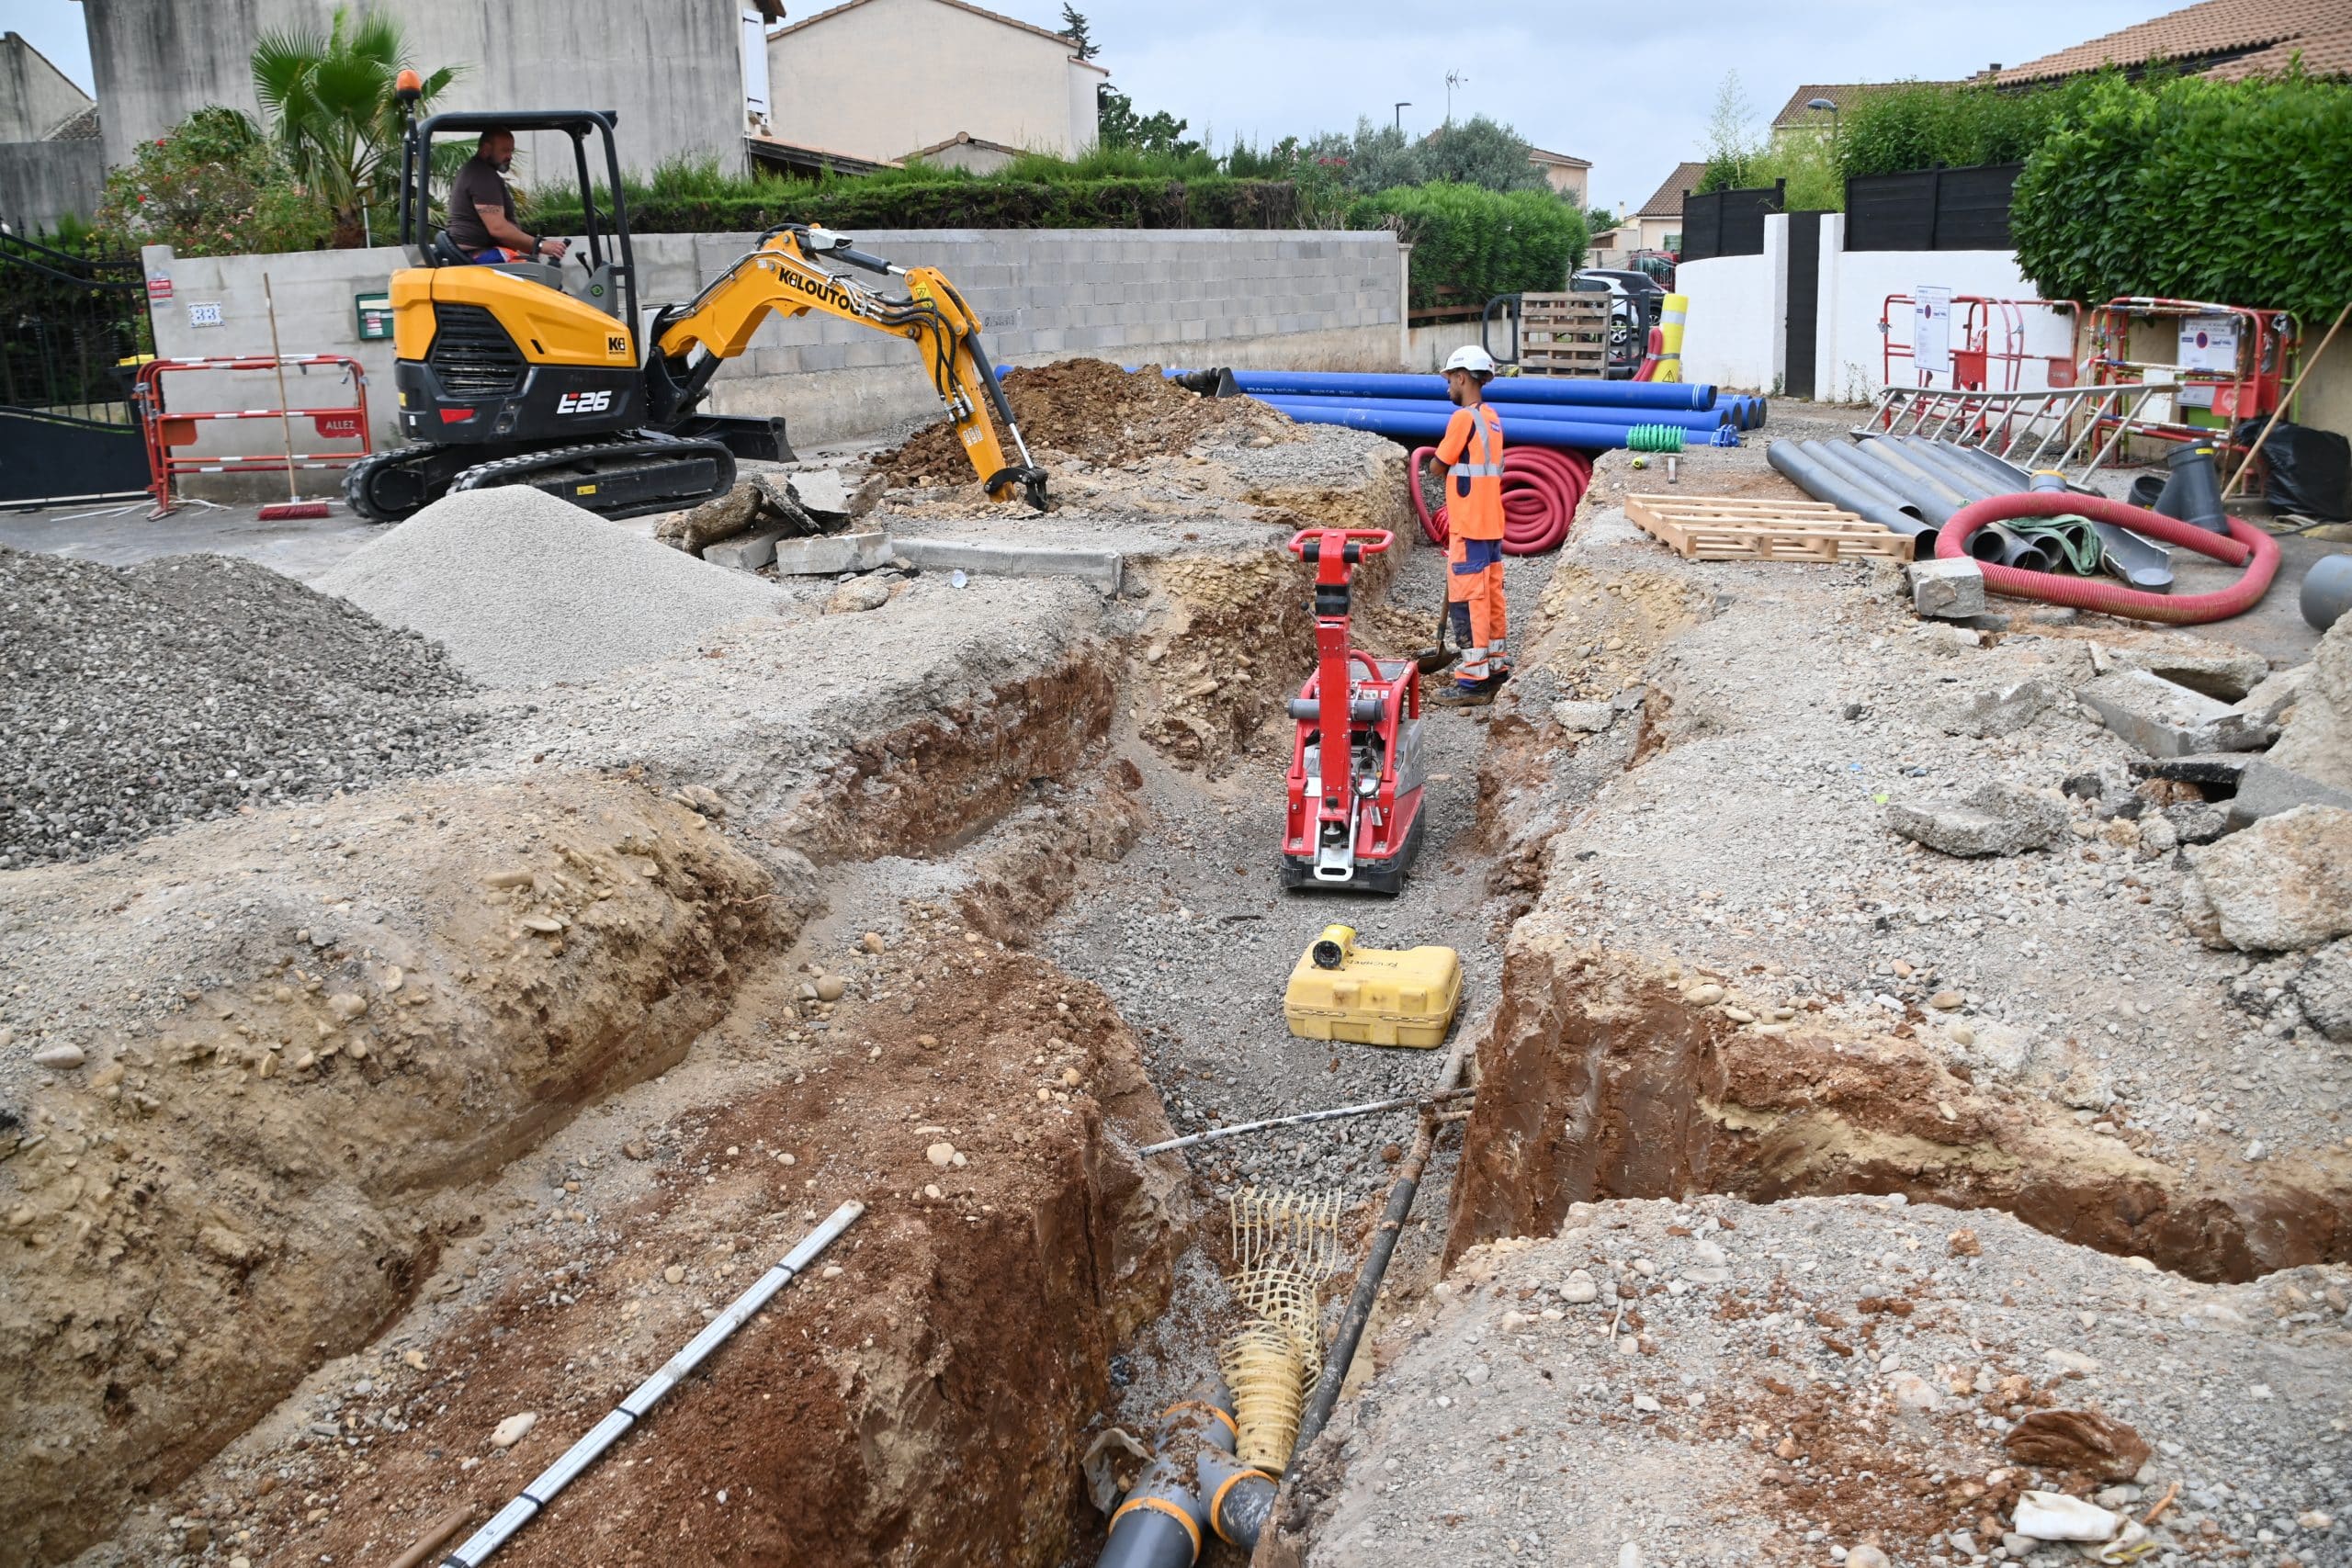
2293, 387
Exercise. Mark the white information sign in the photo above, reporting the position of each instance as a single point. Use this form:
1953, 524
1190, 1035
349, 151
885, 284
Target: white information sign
1931, 329
2210, 343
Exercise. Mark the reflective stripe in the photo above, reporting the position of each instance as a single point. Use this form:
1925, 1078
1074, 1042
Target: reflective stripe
1486, 468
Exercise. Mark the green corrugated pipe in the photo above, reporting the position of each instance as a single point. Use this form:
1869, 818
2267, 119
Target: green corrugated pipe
1654, 438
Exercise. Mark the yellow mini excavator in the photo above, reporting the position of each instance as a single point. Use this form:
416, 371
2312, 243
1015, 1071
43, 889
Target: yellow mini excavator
508, 378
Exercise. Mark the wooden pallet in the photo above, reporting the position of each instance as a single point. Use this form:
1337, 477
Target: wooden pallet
1713, 528
1563, 335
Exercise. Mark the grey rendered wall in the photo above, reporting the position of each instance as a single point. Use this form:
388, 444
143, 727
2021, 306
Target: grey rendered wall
671, 68
41, 181
35, 96
1284, 298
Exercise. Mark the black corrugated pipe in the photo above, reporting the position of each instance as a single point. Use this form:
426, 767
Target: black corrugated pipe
1907, 477
1804, 463
1192, 1482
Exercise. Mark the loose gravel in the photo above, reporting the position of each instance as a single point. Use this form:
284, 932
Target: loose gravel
189, 687
526, 590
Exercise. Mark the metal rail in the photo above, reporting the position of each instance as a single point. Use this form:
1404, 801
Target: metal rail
2049, 428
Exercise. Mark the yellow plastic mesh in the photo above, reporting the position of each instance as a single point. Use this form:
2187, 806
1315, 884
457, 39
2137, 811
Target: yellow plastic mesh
1262, 1368
1285, 1245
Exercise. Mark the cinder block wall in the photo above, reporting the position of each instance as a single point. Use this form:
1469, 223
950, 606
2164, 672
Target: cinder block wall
1281, 298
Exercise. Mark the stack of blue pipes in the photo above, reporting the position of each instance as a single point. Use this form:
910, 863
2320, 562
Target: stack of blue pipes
1589, 415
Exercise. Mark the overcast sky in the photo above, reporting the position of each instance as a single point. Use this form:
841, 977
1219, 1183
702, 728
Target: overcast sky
1625, 84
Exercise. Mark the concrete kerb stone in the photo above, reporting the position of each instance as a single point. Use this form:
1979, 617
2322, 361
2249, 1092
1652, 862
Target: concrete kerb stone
1947, 590
823, 555
1102, 570
2167, 720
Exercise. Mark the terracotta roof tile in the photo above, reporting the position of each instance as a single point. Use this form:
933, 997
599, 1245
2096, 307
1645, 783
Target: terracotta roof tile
2229, 39
1667, 200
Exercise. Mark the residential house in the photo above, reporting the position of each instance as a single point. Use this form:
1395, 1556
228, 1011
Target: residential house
1797, 118
884, 80
2223, 39
1657, 226
1570, 177
50, 159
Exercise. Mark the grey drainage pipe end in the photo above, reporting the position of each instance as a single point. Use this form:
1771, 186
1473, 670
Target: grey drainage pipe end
1193, 1484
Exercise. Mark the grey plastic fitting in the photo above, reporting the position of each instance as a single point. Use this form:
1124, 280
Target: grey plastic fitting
2327, 591
1192, 1484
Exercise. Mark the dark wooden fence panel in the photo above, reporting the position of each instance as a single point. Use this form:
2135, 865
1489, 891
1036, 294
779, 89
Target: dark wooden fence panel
1931, 210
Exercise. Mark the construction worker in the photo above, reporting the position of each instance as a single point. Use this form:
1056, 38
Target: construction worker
481, 207
1473, 454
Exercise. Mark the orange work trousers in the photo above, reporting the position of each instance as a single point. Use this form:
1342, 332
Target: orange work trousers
1474, 592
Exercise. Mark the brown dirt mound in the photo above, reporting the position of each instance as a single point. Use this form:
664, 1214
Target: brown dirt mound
1089, 408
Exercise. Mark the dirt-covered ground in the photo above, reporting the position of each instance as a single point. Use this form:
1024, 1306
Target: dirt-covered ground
362, 1130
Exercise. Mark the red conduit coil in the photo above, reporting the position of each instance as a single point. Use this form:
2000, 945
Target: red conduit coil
1541, 488
2246, 545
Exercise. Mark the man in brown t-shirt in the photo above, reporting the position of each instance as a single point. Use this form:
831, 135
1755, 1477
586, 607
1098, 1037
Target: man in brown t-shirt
481, 209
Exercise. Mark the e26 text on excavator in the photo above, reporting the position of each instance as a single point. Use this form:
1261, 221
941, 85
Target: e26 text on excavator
507, 378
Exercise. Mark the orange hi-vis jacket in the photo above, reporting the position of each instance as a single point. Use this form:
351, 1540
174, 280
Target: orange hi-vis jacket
1473, 453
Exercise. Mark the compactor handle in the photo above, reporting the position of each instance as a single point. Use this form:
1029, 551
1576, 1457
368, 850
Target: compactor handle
1308, 543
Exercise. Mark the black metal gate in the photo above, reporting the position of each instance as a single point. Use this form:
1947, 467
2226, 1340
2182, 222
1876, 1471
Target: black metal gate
72, 330
1805, 303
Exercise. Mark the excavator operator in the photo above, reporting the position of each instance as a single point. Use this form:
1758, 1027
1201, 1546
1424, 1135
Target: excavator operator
481, 207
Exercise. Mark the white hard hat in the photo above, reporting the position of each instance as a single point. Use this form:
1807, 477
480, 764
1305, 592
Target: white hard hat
1473, 358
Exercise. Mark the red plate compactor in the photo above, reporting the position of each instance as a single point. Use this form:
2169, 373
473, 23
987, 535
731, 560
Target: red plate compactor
1354, 817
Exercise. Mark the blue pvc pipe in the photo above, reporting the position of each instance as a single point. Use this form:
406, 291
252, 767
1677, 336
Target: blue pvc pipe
1522, 413
1365, 387
1389, 417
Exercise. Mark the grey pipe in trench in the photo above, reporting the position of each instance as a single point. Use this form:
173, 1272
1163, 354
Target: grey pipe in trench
1192, 1484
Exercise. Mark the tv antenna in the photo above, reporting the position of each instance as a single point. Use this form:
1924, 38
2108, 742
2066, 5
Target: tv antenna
1453, 79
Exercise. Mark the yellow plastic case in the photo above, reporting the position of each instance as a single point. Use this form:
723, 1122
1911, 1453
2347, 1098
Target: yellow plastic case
1373, 996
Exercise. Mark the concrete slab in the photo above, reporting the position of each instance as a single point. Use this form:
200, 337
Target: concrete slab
1099, 568
828, 554
2265, 789
2166, 720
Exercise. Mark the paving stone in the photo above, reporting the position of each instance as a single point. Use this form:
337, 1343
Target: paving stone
2169, 720
1953, 590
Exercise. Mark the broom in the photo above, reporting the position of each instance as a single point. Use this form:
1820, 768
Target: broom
293, 505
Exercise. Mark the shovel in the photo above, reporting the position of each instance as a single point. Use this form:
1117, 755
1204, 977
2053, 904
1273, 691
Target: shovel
1429, 660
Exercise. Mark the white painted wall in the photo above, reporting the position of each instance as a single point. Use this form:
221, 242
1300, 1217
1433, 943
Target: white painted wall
1849, 358
1732, 335
881, 79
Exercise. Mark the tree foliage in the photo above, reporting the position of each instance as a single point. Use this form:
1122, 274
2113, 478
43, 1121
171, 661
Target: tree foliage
1734, 158
2229, 191
331, 111
1080, 35
216, 185
1918, 125
1471, 244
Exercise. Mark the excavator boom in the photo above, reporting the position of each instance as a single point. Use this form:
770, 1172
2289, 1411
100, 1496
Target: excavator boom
784, 276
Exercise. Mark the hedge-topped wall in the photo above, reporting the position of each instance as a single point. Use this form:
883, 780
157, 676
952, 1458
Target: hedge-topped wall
1216, 202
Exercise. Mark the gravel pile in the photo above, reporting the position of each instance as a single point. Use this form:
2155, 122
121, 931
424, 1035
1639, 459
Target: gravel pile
185, 688
524, 590
1832, 1381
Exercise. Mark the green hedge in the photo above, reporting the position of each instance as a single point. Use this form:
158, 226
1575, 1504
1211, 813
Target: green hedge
2234, 192
1213, 202
1918, 125
1470, 243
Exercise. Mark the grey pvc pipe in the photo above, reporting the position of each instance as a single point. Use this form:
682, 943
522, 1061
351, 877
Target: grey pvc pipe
1907, 478
1196, 1475
2327, 591
1954, 471
606, 1433
1822, 482
2124, 554
1839, 459
2000, 470
2000, 543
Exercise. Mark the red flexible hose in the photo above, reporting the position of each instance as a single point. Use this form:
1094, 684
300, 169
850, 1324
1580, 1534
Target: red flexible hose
2246, 545
1541, 488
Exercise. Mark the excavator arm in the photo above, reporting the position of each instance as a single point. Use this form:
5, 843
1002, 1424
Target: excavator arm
783, 275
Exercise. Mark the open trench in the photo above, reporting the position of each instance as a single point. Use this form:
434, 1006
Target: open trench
1077, 948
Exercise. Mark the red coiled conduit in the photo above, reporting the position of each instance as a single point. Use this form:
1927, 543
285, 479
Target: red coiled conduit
1541, 488
2246, 545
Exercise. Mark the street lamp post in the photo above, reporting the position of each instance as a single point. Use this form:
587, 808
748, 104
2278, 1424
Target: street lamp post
1402, 105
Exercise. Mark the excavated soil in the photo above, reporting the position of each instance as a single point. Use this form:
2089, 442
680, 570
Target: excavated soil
1602, 1079
1088, 407
339, 1013
921, 1396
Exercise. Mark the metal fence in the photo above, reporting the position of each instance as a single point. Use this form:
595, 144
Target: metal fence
1728, 222
68, 323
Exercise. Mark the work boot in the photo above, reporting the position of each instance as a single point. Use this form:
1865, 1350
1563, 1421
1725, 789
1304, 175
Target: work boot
1467, 694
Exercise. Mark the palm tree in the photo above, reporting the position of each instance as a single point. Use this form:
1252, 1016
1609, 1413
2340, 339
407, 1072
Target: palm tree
331, 112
